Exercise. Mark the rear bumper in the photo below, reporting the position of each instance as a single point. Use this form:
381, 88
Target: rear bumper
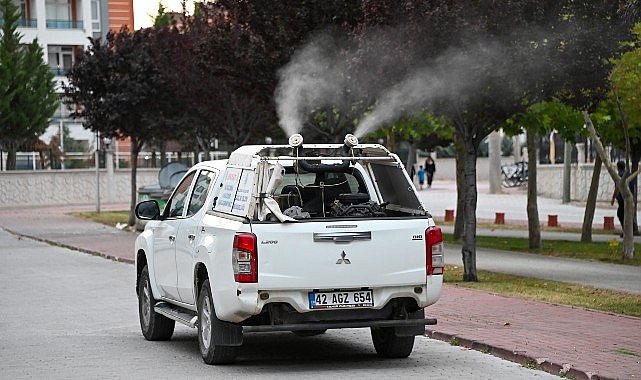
248, 301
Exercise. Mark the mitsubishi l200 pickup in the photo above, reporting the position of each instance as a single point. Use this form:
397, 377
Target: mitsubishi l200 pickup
298, 237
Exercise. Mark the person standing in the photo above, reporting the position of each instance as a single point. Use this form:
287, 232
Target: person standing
430, 168
421, 177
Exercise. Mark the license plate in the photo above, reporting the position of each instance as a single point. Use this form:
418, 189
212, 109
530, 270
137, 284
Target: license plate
333, 300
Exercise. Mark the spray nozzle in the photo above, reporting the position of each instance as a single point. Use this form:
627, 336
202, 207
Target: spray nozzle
295, 140
350, 140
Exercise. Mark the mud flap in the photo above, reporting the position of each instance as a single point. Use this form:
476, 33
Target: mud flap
227, 334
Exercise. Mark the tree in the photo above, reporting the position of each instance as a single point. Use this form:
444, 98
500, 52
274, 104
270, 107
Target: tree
539, 119
626, 81
622, 183
416, 129
27, 92
490, 60
122, 93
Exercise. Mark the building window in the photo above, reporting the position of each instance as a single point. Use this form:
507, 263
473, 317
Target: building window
60, 59
95, 15
60, 15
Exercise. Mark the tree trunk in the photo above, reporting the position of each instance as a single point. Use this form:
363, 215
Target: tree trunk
162, 146
590, 204
459, 227
534, 226
469, 213
11, 159
135, 149
628, 200
567, 170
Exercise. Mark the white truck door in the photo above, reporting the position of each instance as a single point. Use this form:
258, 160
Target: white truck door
188, 232
165, 239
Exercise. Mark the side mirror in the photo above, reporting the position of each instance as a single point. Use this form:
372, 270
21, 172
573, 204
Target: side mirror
147, 210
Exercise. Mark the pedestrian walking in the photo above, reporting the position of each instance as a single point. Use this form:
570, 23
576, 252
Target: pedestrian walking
430, 168
421, 177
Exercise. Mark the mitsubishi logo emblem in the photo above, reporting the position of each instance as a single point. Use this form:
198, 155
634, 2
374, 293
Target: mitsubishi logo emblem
343, 260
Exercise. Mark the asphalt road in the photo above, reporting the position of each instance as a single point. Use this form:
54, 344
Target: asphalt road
66, 314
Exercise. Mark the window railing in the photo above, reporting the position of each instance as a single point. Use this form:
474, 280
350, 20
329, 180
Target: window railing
59, 71
64, 24
28, 23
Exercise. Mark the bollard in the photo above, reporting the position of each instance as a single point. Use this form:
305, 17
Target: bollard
449, 215
499, 218
553, 220
608, 222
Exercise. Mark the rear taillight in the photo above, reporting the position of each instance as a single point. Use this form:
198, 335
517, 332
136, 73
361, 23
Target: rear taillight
245, 258
434, 250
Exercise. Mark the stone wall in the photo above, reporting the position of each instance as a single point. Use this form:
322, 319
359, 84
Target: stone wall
549, 178
38, 188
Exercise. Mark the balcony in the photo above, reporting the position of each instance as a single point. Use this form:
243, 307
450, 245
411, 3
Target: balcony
64, 24
28, 23
58, 71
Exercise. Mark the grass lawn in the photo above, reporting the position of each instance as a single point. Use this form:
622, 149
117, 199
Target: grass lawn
609, 252
110, 218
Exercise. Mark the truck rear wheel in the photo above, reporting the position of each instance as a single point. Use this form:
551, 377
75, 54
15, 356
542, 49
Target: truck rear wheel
208, 326
389, 345
154, 326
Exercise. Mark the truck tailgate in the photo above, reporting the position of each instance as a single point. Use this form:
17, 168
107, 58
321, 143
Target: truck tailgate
341, 254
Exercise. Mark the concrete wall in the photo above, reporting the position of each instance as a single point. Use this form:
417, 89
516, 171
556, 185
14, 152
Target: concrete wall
37, 188
549, 178
33, 188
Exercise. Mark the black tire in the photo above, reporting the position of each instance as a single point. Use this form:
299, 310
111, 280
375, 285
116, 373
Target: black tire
207, 325
154, 326
388, 345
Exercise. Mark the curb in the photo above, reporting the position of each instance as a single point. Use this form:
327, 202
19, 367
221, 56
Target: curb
72, 247
543, 364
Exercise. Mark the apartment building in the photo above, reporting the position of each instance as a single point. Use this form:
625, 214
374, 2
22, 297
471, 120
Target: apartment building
63, 28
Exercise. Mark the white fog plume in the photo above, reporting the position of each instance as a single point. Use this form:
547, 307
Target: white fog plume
452, 77
311, 79
317, 76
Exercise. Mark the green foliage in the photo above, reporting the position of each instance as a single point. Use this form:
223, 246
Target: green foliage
626, 81
547, 116
422, 127
121, 89
27, 92
162, 19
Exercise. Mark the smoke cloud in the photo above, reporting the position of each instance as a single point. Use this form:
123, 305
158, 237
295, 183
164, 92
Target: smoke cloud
312, 79
328, 69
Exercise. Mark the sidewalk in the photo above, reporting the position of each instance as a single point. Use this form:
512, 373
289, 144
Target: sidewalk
582, 343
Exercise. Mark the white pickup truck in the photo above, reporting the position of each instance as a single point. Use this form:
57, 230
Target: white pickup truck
300, 238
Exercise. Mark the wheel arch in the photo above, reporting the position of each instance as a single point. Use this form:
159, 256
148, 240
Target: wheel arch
200, 275
141, 262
